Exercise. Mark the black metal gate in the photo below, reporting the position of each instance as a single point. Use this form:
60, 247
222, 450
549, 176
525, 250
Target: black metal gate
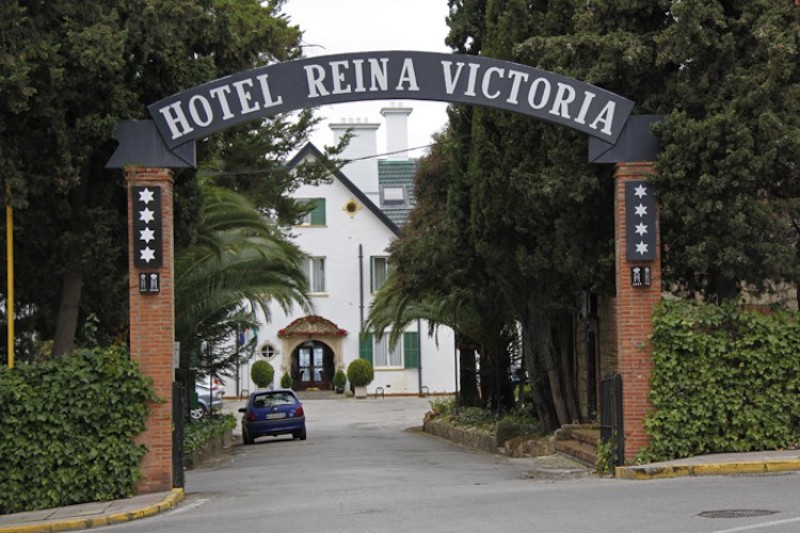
611, 429
178, 420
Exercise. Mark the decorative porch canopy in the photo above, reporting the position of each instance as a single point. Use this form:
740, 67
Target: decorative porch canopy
312, 326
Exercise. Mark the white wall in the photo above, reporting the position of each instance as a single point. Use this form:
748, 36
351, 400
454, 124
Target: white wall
343, 238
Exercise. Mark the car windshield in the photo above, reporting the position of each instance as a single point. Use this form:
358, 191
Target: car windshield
269, 400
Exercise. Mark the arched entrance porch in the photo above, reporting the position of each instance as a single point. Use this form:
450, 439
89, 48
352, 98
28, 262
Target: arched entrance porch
312, 352
312, 366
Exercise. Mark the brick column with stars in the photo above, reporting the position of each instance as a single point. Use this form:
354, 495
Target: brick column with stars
638, 284
152, 311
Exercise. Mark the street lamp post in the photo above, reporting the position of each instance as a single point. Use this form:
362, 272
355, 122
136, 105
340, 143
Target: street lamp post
10, 281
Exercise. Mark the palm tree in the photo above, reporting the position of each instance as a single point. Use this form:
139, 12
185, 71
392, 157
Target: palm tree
240, 263
475, 330
395, 309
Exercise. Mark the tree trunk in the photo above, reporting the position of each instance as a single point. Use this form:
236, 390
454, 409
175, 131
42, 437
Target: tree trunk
468, 378
538, 381
566, 349
487, 381
72, 279
505, 389
543, 338
67, 320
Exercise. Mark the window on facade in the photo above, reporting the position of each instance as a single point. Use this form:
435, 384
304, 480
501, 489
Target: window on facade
268, 351
374, 350
380, 270
315, 217
384, 356
393, 195
314, 270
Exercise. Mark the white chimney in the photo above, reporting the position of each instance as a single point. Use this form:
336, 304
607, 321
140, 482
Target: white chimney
362, 150
396, 118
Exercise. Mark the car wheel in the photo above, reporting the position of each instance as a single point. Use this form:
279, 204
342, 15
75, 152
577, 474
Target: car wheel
300, 434
247, 438
198, 413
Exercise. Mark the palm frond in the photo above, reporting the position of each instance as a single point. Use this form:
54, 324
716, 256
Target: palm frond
241, 263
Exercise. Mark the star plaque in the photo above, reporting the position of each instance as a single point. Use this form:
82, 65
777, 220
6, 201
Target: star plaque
640, 220
147, 230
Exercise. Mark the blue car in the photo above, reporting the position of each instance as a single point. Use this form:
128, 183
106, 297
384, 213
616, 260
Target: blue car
273, 413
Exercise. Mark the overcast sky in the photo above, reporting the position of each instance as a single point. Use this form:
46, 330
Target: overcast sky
336, 26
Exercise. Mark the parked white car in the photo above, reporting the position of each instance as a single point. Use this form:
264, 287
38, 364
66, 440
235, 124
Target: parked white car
209, 398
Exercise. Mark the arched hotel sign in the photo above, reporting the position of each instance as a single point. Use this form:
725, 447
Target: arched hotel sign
148, 149
293, 85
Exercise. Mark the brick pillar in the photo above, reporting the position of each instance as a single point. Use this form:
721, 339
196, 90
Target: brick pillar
152, 319
633, 313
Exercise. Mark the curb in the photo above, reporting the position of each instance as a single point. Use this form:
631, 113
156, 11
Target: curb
71, 524
645, 472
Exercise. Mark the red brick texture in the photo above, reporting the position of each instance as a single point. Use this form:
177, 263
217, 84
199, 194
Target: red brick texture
152, 334
633, 311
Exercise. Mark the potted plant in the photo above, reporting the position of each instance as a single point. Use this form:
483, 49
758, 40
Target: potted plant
286, 381
339, 381
360, 374
262, 374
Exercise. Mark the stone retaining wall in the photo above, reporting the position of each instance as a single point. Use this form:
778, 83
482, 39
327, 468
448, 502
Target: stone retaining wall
471, 438
212, 449
498, 442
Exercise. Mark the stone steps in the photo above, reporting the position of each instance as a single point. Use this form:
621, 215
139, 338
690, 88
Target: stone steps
578, 442
318, 395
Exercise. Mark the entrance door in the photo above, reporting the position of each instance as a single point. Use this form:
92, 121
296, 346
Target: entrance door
312, 366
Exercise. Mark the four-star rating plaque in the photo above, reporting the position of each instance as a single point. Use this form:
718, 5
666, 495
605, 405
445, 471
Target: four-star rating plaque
640, 219
147, 230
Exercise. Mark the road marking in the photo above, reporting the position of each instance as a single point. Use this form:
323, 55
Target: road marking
192, 505
759, 526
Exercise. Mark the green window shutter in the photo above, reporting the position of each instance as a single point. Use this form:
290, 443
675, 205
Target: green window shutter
365, 346
318, 213
411, 349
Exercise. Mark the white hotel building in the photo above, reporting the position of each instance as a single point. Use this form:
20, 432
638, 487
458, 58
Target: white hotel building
346, 237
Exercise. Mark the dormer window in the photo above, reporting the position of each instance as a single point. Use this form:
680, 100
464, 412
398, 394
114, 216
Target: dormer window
393, 194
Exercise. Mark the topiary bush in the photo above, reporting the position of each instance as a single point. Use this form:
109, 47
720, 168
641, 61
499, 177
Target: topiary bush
360, 373
339, 380
286, 381
67, 428
724, 380
262, 374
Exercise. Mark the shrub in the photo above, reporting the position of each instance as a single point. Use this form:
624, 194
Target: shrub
339, 379
724, 380
286, 381
360, 373
201, 431
515, 423
443, 406
75, 418
262, 374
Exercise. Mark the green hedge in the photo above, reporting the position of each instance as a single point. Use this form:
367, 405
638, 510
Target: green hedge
198, 432
67, 429
725, 380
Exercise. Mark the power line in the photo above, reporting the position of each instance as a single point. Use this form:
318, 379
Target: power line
391, 153
237, 172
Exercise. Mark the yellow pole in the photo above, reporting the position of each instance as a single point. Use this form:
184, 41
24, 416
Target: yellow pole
10, 282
